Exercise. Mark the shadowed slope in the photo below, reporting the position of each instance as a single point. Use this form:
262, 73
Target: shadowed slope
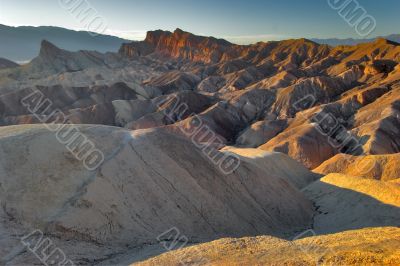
345, 203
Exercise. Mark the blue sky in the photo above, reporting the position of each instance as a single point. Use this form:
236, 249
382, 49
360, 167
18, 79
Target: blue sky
236, 20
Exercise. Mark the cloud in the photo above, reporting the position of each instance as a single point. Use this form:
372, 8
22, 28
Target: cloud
134, 35
247, 39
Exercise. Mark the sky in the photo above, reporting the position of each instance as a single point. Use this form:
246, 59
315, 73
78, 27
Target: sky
236, 20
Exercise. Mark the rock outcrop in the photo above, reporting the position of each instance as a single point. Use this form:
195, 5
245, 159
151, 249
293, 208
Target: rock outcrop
52, 59
178, 44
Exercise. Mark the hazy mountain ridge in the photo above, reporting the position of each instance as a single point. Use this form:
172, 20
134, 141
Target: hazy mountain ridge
22, 43
5, 63
351, 41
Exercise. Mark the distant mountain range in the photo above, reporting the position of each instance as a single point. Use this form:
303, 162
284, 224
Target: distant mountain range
5, 63
351, 41
23, 43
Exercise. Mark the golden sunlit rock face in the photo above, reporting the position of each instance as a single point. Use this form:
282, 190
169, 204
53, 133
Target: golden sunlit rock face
372, 246
210, 153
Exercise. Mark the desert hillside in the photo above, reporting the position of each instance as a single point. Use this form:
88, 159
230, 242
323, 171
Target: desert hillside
239, 148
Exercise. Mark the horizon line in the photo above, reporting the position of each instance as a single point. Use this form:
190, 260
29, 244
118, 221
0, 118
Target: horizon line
140, 35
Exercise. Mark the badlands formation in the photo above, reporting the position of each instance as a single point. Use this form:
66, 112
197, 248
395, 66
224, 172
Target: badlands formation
277, 153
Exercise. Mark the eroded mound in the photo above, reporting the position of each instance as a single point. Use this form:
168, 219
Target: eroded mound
381, 167
371, 246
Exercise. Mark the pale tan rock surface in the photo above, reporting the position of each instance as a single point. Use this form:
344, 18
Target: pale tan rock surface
145, 186
276, 163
